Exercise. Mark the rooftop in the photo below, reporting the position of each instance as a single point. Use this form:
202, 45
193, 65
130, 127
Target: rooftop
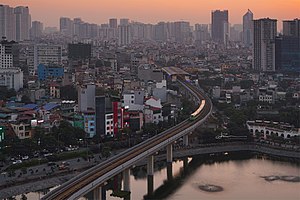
174, 71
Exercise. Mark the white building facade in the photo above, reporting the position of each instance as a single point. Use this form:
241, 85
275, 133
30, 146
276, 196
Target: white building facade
267, 129
86, 97
11, 78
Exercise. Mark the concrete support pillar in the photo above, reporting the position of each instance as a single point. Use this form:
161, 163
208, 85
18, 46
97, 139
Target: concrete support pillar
185, 163
117, 182
150, 165
169, 153
186, 140
265, 134
126, 180
150, 172
96, 194
150, 184
169, 171
103, 191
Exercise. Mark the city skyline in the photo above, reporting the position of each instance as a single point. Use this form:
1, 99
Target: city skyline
194, 11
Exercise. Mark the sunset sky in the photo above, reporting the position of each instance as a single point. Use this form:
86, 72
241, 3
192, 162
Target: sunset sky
152, 11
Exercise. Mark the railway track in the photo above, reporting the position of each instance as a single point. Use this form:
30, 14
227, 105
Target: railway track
66, 190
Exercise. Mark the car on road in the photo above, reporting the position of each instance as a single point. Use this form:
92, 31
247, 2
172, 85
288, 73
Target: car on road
17, 162
25, 157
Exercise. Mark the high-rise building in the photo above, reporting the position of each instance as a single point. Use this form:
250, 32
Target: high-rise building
291, 28
137, 31
124, 34
9, 54
288, 47
7, 22
265, 31
6, 56
161, 32
201, 33
182, 31
113, 23
23, 23
86, 97
66, 26
219, 26
78, 27
287, 53
124, 22
43, 54
248, 28
36, 30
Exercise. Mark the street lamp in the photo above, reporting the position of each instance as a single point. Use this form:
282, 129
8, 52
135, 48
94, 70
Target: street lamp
39, 144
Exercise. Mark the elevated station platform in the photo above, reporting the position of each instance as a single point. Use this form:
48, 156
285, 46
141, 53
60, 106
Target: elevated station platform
173, 72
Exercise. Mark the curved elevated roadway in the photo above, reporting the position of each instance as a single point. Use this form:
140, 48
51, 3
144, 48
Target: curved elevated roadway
98, 175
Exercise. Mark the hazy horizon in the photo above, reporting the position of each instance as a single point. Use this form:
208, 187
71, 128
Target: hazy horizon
153, 11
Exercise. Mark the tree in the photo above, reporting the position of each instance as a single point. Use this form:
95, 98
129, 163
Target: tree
6, 93
149, 128
67, 134
206, 135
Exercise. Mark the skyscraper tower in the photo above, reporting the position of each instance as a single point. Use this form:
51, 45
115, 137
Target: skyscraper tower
265, 31
181, 31
7, 22
23, 23
36, 30
124, 31
124, 21
219, 26
66, 26
288, 47
291, 28
113, 23
248, 28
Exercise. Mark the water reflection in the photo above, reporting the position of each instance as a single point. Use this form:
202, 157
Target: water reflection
240, 178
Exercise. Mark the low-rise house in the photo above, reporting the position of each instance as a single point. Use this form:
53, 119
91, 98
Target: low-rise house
22, 130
